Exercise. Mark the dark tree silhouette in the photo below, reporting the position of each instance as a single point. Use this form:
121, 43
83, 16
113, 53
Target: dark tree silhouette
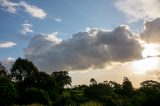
27, 85
62, 78
151, 92
117, 88
93, 81
8, 92
35, 95
3, 70
127, 87
40, 80
98, 92
150, 84
22, 68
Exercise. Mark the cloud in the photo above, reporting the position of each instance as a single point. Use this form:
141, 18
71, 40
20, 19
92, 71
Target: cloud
8, 62
9, 6
32, 10
154, 73
93, 48
57, 19
26, 27
151, 31
6, 44
43, 41
139, 9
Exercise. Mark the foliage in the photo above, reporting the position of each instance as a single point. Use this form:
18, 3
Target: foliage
62, 78
117, 88
8, 91
93, 81
109, 101
35, 95
98, 91
3, 70
28, 86
127, 87
22, 68
40, 80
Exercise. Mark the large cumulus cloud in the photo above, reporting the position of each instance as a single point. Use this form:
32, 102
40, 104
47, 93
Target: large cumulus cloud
89, 49
151, 31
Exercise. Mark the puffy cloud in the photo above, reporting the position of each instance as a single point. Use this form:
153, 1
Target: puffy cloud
32, 10
7, 44
26, 28
93, 48
9, 6
139, 9
41, 43
151, 31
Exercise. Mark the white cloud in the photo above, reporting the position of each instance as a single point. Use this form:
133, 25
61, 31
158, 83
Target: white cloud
32, 10
7, 44
9, 6
139, 9
90, 49
26, 27
57, 19
53, 37
11, 59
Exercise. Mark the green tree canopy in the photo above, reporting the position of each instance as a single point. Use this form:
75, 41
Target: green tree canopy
8, 92
62, 78
40, 80
22, 68
35, 95
98, 91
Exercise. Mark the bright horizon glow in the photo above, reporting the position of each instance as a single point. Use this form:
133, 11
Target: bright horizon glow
150, 50
142, 66
150, 61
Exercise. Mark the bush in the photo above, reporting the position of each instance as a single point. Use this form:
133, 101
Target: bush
35, 95
8, 92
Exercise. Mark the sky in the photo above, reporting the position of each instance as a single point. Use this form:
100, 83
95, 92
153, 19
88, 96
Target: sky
101, 39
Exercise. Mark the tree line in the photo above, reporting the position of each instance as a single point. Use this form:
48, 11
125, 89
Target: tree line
24, 84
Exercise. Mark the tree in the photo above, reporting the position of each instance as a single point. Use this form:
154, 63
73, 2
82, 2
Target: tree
3, 70
8, 92
127, 87
35, 95
40, 80
115, 87
98, 91
44, 81
150, 90
150, 87
62, 78
150, 84
109, 101
21, 69
93, 81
